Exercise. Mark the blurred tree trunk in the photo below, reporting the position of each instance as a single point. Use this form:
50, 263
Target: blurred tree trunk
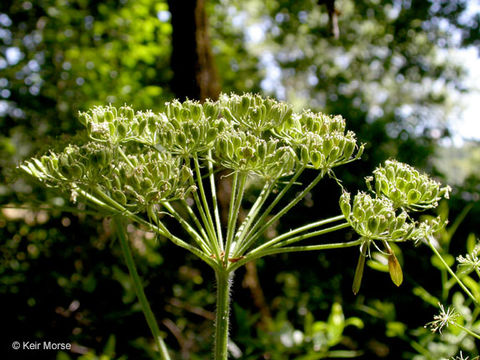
194, 71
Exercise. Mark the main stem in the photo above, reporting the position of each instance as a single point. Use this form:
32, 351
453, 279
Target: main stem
224, 282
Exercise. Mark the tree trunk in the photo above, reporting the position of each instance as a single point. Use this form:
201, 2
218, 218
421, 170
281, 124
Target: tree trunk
194, 72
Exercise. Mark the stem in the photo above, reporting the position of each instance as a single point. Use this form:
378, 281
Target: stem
271, 251
224, 283
459, 282
233, 213
116, 208
245, 226
147, 311
286, 239
188, 228
284, 210
204, 198
260, 221
215, 200
467, 330
210, 230
231, 217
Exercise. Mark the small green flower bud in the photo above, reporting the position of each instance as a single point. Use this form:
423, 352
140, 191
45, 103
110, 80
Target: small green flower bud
76, 171
195, 131
121, 129
185, 174
211, 134
185, 114
327, 145
413, 196
152, 124
196, 110
349, 149
345, 204
83, 118
373, 223
247, 152
262, 149
146, 184
304, 156
119, 197
108, 116
394, 269
210, 110
244, 104
317, 159
141, 126
256, 115
181, 139
130, 114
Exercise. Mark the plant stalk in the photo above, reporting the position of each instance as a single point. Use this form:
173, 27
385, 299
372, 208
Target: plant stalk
224, 282
147, 311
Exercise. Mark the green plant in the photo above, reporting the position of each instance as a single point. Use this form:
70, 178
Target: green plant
455, 327
142, 167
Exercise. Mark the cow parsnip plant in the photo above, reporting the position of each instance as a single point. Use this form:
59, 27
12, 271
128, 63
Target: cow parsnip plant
137, 166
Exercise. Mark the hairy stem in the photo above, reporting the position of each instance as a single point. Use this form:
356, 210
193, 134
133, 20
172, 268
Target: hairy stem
224, 282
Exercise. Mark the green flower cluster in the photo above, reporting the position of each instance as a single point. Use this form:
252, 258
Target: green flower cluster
134, 181
142, 157
407, 187
399, 188
376, 218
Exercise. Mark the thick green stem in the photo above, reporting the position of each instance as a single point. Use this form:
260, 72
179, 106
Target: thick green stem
224, 282
147, 311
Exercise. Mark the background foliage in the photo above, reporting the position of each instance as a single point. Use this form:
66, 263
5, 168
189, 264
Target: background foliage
388, 73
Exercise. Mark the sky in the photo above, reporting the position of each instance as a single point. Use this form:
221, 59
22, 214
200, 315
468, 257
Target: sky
467, 125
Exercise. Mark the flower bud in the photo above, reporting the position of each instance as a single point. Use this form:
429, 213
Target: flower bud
108, 116
345, 204
211, 134
197, 112
317, 159
181, 139
119, 197
141, 126
185, 174
121, 129
76, 171
373, 223
244, 104
304, 156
